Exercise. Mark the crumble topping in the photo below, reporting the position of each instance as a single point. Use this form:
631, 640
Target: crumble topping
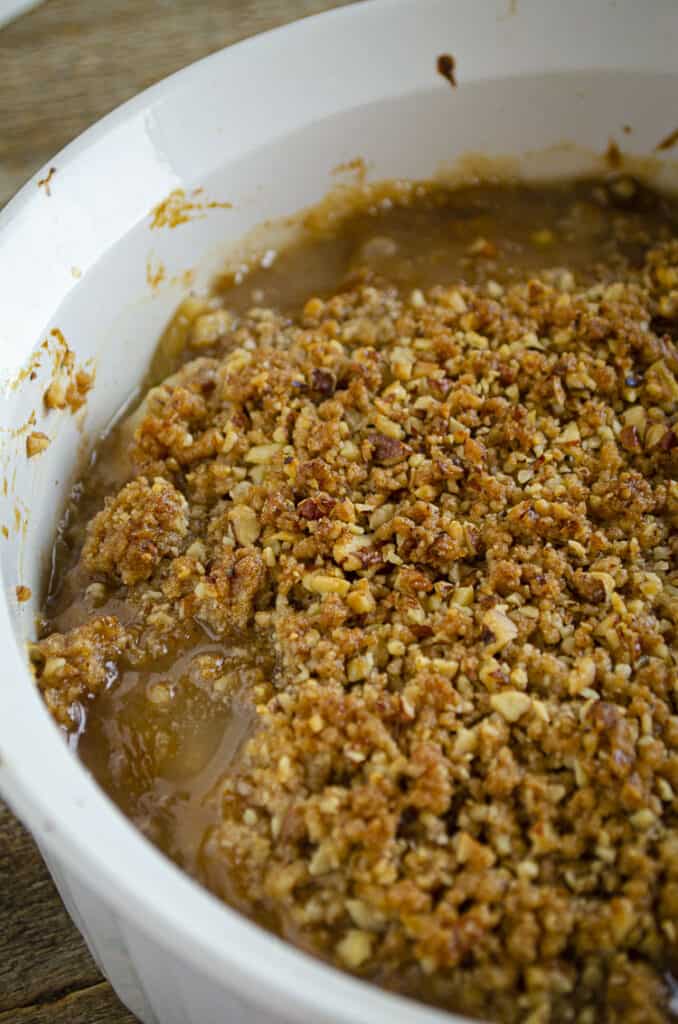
450, 517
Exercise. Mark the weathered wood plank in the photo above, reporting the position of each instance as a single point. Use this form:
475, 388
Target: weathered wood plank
94, 1005
69, 62
41, 953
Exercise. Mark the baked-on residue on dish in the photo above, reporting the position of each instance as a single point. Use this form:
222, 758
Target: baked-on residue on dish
368, 614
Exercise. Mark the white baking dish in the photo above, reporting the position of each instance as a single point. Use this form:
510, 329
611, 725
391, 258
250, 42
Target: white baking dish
261, 126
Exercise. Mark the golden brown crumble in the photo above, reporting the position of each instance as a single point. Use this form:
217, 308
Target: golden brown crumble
70, 666
134, 531
451, 516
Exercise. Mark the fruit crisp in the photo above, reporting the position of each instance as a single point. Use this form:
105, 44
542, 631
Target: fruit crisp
367, 614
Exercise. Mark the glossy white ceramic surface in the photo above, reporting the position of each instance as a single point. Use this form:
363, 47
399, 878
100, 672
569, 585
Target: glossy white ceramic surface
259, 126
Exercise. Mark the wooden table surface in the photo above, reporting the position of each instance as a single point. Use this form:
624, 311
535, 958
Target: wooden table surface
62, 66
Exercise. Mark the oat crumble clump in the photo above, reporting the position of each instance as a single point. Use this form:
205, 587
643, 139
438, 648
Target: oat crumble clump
452, 517
133, 532
81, 662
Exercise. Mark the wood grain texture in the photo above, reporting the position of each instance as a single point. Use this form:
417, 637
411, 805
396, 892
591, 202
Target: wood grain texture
94, 1005
63, 66
69, 62
46, 972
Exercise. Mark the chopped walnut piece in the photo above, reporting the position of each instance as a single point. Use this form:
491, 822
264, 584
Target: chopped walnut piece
355, 948
323, 381
501, 629
388, 450
318, 583
245, 524
511, 704
316, 507
661, 385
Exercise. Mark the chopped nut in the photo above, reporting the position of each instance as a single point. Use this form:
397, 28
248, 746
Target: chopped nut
501, 628
622, 919
596, 587
159, 694
347, 552
388, 450
323, 860
388, 428
314, 308
606, 580
197, 550
262, 453
360, 600
355, 948
317, 507
209, 327
654, 435
365, 916
582, 675
96, 593
570, 435
511, 704
318, 583
323, 382
661, 385
359, 667
245, 524
643, 820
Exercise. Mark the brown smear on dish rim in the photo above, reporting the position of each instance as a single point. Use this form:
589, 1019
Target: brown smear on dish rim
70, 383
613, 154
155, 275
446, 66
184, 278
668, 142
46, 181
356, 167
178, 209
25, 426
30, 370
